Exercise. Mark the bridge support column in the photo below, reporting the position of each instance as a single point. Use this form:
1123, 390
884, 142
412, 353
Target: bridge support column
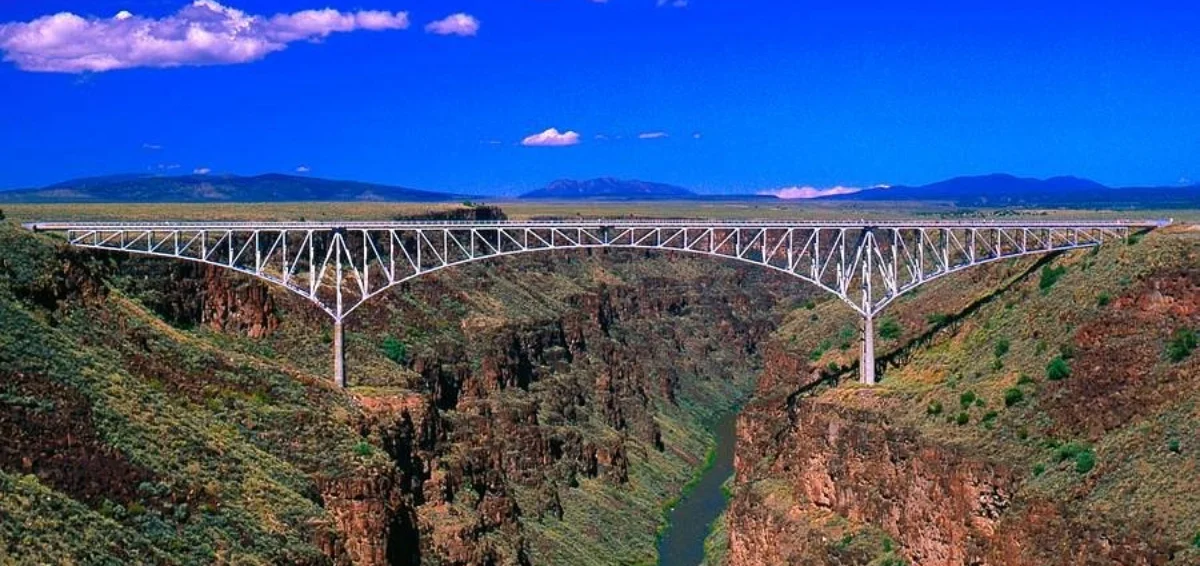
339, 357
866, 361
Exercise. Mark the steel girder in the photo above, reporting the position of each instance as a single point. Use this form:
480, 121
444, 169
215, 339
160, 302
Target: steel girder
340, 266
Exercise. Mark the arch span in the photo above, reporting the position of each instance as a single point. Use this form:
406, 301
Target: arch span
339, 266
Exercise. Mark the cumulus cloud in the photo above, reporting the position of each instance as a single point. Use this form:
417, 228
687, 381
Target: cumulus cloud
201, 171
201, 33
551, 138
152, 146
303, 169
652, 135
673, 3
807, 192
454, 24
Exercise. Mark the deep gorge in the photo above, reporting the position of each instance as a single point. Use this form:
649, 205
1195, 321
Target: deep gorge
543, 409
537, 397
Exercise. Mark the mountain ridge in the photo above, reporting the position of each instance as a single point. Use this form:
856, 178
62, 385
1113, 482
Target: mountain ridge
1002, 189
991, 190
270, 187
608, 188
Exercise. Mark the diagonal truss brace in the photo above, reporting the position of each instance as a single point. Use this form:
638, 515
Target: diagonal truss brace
340, 266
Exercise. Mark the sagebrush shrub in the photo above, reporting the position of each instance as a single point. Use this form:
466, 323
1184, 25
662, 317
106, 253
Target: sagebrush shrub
1182, 342
1058, 369
1012, 396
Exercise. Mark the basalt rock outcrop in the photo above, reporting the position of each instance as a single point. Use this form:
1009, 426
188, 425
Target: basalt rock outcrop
949, 467
499, 419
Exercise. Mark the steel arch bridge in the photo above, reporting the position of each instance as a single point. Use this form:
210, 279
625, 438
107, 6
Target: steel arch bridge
339, 266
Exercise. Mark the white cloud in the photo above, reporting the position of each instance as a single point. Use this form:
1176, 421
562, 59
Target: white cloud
807, 192
551, 138
697, 136
151, 146
303, 169
673, 3
201, 33
454, 24
652, 135
201, 171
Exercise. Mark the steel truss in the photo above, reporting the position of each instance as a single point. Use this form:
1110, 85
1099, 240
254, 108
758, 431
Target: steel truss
341, 266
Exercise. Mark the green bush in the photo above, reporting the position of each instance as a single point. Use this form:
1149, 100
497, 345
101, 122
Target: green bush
823, 347
1050, 276
1085, 461
1196, 540
934, 408
990, 416
846, 337
363, 448
1058, 369
1012, 396
1024, 379
1085, 458
963, 418
1173, 445
1182, 342
966, 399
395, 350
1039, 469
890, 329
1001, 348
1103, 299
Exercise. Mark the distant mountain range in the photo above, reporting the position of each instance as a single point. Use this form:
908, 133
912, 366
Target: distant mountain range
219, 188
609, 189
1001, 190
998, 190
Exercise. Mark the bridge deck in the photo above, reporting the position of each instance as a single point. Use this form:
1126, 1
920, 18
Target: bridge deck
597, 223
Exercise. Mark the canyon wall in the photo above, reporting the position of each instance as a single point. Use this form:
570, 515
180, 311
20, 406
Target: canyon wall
531, 410
943, 464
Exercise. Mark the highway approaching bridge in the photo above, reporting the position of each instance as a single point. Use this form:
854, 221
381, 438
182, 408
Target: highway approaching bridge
339, 266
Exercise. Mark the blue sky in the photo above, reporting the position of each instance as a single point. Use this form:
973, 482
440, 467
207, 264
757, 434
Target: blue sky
752, 95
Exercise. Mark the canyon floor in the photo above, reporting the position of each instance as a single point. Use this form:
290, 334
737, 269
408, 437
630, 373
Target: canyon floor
548, 409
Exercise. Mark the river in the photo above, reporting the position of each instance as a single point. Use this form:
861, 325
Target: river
682, 544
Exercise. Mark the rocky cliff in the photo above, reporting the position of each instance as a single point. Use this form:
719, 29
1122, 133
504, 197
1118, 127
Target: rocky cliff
530, 411
974, 451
